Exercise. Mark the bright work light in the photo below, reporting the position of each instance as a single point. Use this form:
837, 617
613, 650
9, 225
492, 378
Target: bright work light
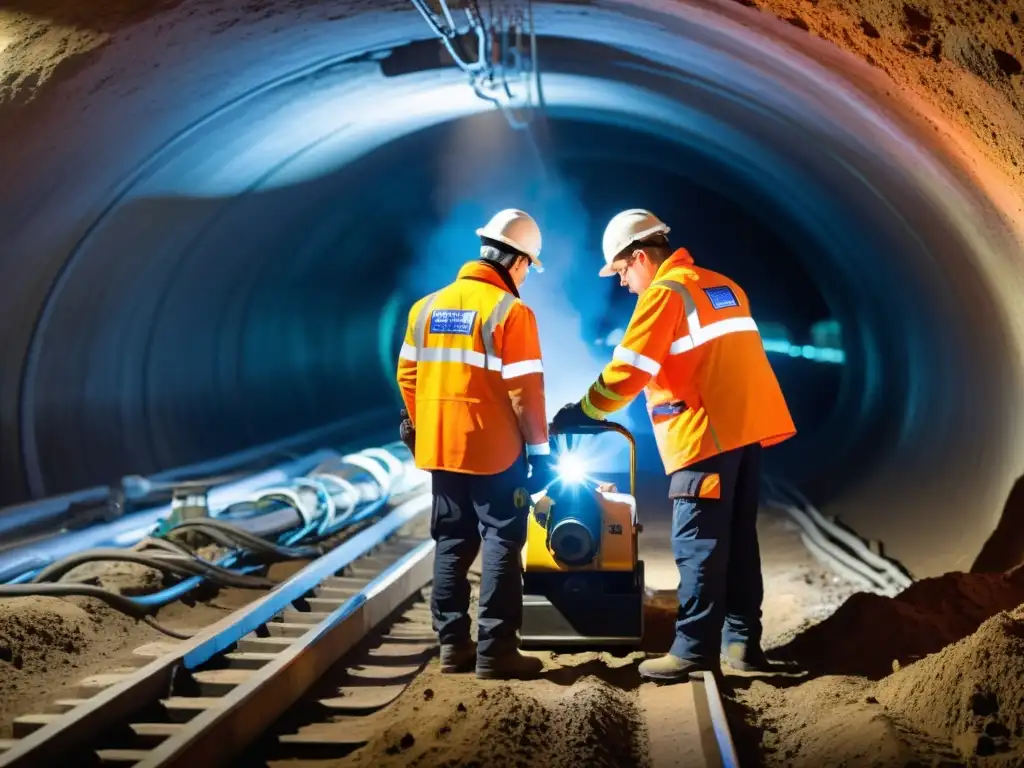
572, 468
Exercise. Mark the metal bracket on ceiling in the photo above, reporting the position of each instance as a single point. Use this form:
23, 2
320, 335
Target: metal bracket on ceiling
504, 68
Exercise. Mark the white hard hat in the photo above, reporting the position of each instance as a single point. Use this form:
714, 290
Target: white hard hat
517, 229
628, 227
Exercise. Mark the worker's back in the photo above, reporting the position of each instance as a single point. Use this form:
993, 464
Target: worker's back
474, 344
717, 369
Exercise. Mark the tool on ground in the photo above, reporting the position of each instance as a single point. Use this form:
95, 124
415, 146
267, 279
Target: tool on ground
583, 581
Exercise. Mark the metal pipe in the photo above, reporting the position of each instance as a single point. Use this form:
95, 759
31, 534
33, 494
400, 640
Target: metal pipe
32, 514
29, 514
131, 529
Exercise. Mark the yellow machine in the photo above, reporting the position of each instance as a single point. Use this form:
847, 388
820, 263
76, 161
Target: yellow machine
583, 581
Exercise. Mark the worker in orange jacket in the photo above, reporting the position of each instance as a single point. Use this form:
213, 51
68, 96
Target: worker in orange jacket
472, 379
714, 402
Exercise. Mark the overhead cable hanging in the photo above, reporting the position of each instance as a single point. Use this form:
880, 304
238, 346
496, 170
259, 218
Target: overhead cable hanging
504, 70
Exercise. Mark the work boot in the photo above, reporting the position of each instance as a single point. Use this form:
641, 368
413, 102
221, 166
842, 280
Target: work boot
456, 658
509, 665
670, 669
747, 658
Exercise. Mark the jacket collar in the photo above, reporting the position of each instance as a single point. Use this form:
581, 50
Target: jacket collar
485, 273
679, 258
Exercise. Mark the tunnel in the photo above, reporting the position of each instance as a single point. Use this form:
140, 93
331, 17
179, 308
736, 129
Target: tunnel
213, 232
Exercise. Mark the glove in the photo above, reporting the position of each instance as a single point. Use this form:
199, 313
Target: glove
542, 473
569, 416
407, 431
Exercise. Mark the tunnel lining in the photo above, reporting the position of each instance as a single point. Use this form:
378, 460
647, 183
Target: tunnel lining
982, 354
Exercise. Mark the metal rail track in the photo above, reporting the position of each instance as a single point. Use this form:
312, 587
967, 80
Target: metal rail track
351, 705
715, 734
208, 700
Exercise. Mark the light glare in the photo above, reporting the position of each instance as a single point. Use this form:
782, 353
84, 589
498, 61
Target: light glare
572, 468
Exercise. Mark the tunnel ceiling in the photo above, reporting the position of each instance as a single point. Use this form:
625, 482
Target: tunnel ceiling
193, 263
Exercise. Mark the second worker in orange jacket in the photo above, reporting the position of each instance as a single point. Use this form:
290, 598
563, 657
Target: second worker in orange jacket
714, 402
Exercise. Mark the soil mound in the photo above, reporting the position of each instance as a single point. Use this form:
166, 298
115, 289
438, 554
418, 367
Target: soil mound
32, 628
41, 636
466, 723
870, 635
970, 693
128, 579
824, 722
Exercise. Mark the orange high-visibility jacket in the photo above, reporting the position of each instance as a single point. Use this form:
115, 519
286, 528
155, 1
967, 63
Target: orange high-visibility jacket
694, 349
471, 376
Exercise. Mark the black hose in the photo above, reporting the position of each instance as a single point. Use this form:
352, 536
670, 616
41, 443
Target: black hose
167, 630
114, 600
237, 537
178, 547
170, 563
273, 523
219, 538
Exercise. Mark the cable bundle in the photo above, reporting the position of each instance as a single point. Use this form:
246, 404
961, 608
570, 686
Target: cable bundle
293, 520
836, 546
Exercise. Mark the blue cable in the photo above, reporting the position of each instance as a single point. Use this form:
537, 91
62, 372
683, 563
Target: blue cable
325, 505
183, 587
371, 509
288, 540
171, 594
27, 576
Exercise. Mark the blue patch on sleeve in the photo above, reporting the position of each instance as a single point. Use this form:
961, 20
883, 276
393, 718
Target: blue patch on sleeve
455, 321
722, 297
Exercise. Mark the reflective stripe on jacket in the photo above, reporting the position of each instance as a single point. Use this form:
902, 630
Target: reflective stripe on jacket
471, 376
694, 349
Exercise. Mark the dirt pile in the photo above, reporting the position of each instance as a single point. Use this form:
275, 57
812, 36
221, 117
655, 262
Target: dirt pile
947, 658
123, 578
970, 693
827, 721
462, 722
1005, 546
48, 638
962, 705
33, 628
869, 634
130, 578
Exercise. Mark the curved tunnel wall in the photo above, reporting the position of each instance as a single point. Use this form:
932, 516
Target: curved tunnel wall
219, 295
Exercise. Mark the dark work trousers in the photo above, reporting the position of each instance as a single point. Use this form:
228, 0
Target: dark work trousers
469, 509
715, 546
